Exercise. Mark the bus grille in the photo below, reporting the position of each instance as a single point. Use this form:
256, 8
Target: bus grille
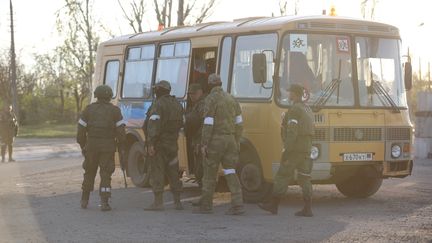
398, 133
357, 134
398, 166
321, 134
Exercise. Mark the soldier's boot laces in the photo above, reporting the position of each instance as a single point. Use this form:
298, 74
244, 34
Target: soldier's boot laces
306, 211
157, 204
104, 203
271, 206
177, 202
85, 196
236, 210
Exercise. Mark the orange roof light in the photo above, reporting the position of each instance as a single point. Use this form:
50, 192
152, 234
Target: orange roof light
332, 11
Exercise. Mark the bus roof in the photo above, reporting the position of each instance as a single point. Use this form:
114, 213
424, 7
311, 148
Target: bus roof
261, 24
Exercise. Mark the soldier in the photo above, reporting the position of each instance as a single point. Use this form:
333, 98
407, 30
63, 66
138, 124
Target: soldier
165, 118
194, 121
296, 131
8, 130
100, 131
220, 141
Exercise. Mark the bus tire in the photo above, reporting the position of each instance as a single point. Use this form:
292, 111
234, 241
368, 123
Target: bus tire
255, 189
138, 169
363, 184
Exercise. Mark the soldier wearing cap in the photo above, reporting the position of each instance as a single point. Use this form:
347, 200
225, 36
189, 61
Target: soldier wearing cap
296, 130
162, 126
100, 131
221, 132
194, 121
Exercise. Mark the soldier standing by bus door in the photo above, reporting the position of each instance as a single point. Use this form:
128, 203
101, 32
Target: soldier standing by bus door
162, 130
194, 121
221, 133
296, 130
100, 130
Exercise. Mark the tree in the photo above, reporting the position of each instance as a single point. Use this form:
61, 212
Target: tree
188, 12
283, 7
138, 11
371, 9
76, 23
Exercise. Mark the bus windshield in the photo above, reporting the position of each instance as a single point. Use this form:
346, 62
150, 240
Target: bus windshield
378, 65
322, 64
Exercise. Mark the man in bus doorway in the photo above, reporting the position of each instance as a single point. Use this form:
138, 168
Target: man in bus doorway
8, 131
222, 129
165, 118
194, 121
100, 131
296, 130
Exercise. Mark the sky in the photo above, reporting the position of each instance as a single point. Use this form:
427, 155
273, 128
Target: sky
36, 33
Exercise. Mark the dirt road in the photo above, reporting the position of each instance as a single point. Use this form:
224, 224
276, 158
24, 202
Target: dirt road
39, 202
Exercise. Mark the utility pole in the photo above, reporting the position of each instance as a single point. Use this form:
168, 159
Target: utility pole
13, 67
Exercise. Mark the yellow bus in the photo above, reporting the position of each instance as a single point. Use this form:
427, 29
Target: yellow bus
351, 69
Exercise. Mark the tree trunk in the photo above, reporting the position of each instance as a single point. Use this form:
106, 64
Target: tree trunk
180, 13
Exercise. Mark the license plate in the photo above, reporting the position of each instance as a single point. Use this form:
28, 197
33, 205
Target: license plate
357, 157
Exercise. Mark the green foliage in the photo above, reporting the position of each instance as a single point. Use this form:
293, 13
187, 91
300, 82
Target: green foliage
47, 130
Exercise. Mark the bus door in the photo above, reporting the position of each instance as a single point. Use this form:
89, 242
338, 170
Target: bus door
203, 63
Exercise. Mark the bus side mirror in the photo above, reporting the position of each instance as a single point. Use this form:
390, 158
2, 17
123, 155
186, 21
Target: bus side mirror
408, 76
259, 68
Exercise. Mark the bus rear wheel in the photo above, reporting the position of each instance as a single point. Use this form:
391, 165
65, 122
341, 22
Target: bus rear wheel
362, 184
138, 169
254, 187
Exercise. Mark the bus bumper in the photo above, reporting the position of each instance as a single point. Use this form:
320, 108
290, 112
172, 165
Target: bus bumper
398, 169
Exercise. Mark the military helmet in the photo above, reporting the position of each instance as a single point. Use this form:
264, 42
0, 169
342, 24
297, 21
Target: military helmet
103, 92
214, 79
297, 89
163, 84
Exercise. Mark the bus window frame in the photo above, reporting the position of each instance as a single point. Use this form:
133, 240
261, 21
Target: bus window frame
125, 56
155, 67
231, 53
231, 67
118, 75
356, 71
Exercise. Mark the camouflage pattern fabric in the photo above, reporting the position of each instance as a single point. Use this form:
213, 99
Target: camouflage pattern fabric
221, 134
296, 131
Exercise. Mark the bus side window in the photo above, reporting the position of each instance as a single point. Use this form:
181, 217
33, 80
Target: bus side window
112, 74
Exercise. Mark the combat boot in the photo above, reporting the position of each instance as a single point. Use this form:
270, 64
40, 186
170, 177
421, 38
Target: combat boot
157, 204
307, 210
104, 202
85, 196
177, 202
236, 210
271, 206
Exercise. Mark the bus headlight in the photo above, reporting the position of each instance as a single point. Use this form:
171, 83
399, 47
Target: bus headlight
314, 152
396, 151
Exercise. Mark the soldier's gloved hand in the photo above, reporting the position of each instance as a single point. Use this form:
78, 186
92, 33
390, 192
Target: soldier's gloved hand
204, 150
151, 151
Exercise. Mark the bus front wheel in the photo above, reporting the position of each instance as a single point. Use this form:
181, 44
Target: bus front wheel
254, 187
362, 184
138, 169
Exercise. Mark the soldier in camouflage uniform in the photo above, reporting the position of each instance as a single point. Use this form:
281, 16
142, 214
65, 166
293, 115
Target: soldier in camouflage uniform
162, 131
296, 130
100, 131
8, 130
220, 141
194, 121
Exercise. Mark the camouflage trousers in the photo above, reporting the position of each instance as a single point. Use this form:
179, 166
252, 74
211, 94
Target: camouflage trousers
296, 161
221, 150
164, 164
105, 162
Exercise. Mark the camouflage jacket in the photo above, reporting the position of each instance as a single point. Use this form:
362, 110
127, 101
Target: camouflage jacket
101, 127
222, 116
194, 120
297, 129
8, 125
164, 121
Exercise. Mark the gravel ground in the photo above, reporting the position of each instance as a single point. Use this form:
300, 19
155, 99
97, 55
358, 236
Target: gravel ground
39, 202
